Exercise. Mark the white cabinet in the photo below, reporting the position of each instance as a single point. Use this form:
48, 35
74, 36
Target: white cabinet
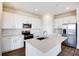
12, 21
18, 42
70, 19
6, 44
12, 43
36, 23
58, 22
65, 20
8, 20
36, 26
20, 20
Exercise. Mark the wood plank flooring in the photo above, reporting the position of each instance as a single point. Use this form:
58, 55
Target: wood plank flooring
17, 52
66, 51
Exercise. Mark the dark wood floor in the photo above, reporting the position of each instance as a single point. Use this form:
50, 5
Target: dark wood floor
18, 52
66, 51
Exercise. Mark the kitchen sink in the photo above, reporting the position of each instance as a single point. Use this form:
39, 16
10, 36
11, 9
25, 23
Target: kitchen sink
41, 38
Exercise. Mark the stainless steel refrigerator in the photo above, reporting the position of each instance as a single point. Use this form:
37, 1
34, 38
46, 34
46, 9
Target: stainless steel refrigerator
71, 34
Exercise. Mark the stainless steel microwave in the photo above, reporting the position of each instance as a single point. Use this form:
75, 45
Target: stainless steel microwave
27, 25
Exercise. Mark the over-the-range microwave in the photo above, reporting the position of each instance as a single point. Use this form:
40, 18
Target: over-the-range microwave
27, 26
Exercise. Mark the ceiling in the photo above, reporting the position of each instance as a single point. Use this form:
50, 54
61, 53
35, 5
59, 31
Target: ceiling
42, 8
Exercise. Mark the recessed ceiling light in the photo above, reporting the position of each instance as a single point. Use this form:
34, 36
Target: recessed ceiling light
67, 8
36, 9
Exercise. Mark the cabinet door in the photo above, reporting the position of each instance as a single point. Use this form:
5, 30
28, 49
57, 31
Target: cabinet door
12, 43
70, 19
19, 42
31, 21
8, 20
36, 23
6, 44
58, 23
20, 20
65, 20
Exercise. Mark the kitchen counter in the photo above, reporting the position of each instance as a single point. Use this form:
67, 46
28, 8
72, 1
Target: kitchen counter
44, 46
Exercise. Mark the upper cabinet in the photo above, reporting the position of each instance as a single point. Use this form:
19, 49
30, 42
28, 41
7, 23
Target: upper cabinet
36, 23
65, 20
8, 20
13, 21
20, 20
57, 23
16, 21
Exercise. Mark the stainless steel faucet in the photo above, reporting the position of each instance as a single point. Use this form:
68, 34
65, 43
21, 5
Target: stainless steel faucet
45, 33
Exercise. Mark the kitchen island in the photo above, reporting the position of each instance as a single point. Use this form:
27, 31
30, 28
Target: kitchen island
47, 47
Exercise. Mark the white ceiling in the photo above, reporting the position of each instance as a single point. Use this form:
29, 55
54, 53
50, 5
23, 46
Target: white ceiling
44, 7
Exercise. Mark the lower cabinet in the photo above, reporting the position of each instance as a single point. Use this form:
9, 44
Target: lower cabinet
6, 46
12, 43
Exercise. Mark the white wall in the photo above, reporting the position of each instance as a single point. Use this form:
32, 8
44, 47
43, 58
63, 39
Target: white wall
48, 23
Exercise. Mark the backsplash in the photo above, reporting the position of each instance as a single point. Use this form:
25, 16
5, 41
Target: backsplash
6, 32
36, 32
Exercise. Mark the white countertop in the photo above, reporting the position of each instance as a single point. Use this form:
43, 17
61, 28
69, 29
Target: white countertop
46, 44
